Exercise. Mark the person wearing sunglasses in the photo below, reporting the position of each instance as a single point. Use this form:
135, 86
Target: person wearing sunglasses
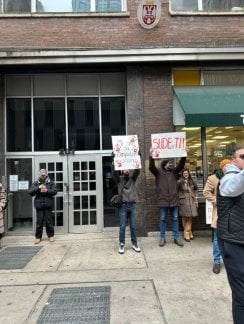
230, 229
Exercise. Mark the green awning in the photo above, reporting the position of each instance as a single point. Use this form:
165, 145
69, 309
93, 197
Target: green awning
207, 106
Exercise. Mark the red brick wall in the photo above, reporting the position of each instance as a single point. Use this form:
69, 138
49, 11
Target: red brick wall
122, 32
157, 117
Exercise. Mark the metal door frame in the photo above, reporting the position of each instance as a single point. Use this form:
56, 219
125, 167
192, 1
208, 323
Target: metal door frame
97, 192
67, 194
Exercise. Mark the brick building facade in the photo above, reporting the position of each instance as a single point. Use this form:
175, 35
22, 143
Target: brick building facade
38, 46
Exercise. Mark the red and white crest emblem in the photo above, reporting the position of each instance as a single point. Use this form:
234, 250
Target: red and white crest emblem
149, 14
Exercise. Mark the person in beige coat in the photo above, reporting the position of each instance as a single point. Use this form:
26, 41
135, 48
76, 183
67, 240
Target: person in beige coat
187, 190
209, 192
3, 202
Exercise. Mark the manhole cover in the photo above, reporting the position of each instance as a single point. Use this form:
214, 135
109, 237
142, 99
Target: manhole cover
17, 257
77, 305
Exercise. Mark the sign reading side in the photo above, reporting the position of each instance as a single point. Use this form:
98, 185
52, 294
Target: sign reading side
168, 145
126, 149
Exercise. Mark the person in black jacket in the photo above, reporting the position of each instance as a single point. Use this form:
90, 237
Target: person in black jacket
230, 233
43, 189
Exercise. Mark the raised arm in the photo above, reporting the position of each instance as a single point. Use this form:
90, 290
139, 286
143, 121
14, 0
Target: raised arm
152, 167
180, 166
135, 174
232, 185
115, 174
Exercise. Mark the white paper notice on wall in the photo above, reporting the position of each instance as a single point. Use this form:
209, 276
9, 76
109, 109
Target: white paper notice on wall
168, 145
13, 182
126, 152
209, 211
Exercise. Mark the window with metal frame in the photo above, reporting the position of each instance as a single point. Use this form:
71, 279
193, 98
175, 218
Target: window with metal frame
79, 111
206, 6
61, 6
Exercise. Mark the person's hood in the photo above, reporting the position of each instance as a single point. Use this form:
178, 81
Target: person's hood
219, 173
232, 167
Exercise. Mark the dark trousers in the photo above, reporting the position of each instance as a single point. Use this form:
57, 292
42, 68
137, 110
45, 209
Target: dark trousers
44, 216
233, 258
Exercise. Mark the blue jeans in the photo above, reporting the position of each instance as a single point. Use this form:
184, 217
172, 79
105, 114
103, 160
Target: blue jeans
162, 224
233, 257
216, 252
127, 211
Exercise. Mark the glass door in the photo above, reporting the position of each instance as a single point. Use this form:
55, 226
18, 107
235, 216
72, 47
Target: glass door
18, 215
57, 171
85, 193
78, 203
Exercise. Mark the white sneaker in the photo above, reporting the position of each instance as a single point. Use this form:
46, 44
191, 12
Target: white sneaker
121, 248
136, 248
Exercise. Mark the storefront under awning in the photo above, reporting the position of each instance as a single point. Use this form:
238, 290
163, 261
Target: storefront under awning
208, 106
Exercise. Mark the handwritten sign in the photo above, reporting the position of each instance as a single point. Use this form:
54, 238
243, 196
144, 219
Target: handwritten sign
126, 150
209, 211
168, 145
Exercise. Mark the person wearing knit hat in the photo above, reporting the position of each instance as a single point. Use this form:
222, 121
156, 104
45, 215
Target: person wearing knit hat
209, 192
223, 163
164, 162
43, 172
167, 195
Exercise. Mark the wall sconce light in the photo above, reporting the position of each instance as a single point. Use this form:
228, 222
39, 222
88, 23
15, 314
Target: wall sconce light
61, 152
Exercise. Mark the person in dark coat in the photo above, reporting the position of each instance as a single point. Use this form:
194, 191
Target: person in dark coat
167, 194
44, 190
230, 233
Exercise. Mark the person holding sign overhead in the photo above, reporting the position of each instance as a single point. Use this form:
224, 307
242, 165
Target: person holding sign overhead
126, 188
126, 169
167, 194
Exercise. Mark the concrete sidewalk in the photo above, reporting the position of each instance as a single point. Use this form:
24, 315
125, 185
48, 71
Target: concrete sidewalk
160, 285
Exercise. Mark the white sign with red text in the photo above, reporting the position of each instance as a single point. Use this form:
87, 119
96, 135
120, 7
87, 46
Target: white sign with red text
126, 149
209, 211
168, 145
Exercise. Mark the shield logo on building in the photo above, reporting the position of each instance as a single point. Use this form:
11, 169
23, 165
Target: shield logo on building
149, 13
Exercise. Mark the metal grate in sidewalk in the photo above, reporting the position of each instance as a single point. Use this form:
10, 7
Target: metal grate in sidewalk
77, 305
17, 257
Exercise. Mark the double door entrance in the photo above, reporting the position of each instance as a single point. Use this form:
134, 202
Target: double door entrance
78, 203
